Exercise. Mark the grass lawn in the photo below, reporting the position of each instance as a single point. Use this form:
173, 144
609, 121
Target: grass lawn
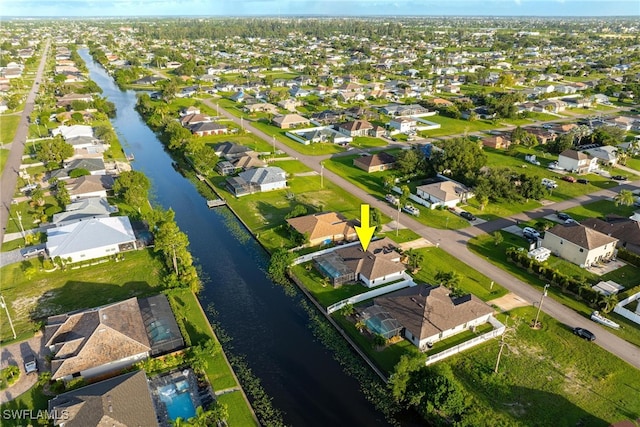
485, 247
25, 212
531, 118
547, 377
45, 294
291, 166
451, 126
403, 235
600, 209
246, 139
33, 400
4, 154
325, 294
367, 142
8, 127
435, 260
239, 413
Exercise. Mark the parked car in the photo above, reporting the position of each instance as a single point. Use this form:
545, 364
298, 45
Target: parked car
568, 178
619, 177
531, 232
563, 216
31, 252
583, 181
570, 221
549, 183
30, 364
412, 210
467, 215
28, 187
583, 333
391, 199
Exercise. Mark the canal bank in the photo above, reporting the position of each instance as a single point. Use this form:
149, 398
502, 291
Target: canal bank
271, 330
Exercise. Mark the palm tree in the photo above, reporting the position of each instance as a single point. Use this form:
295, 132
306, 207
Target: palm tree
360, 325
415, 259
201, 419
608, 302
624, 197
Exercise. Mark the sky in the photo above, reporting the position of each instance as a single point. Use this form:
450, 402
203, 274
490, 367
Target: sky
100, 8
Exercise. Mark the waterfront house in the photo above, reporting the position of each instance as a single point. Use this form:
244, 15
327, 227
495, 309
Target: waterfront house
323, 228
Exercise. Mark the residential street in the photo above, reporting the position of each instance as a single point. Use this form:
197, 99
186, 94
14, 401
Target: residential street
455, 243
10, 174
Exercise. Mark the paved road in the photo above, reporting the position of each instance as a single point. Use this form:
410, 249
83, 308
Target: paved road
14, 354
10, 173
455, 243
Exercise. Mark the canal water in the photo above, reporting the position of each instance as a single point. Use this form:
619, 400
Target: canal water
268, 328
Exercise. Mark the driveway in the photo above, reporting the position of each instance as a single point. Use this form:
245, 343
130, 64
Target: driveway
14, 354
10, 257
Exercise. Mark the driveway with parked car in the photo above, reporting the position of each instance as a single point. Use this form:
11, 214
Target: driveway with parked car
19, 354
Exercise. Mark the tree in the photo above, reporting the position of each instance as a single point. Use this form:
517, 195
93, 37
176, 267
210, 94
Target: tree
608, 135
54, 151
279, 266
298, 210
461, 159
608, 302
173, 243
178, 136
105, 133
133, 187
407, 161
76, 173
62, 195
560, 144
625, 198
506, 80
448, 279
498, 238
414, 259
388, 181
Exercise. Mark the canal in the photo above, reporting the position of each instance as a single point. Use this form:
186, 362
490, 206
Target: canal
269, 329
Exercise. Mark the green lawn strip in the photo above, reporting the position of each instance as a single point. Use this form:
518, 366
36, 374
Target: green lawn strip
368, 142
485, 247
59, 292
385, 359
451, 126
8, 127
197, 325
4, 154
547, 377
246, 139
633, 163
34, 400
323, 292
436, 259
316, 149
600, 209
239, 412
403, 235
291, 166
458, 339
231, 107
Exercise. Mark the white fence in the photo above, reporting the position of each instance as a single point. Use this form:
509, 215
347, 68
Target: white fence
413, 197
619, 308
406, 283
498, 330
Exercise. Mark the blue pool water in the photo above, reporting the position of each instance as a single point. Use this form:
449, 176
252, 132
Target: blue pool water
179, 405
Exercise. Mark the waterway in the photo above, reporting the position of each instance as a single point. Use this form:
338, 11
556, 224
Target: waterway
268, 328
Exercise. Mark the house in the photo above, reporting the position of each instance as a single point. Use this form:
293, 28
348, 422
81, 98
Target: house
403, 124
224, 168
261, 107
208, 128
82, 209
89, 186
497, 142
626, 230
440, 102
327, 116
375, 163
542, 135
600, 98
398, 110
148, 80
103, 340
429, 314
123, 401
578, 244
355, 128
290, 104
83, 240
237, 97
607, 154
288, 121
443, 193
95, 166
552, 105
298, 92
379, 264
230, 150
249, 160
238, 186
265, 179
577, 161
323, 228
66, 100
193, 118
72, 131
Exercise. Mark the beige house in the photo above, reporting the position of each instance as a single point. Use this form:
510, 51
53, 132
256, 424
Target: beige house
323, 227
375, 163
447, 193
288, 121
578, 244
577, 161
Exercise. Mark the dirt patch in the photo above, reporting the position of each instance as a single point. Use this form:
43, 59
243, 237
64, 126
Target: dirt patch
36, 306
415, 244
509, 302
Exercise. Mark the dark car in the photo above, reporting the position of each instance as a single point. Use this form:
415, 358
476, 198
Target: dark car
619, 177
583, 333
583, 181
563, 216
468, 216
568, 178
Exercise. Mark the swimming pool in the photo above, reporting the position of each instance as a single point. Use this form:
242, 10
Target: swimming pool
178, 403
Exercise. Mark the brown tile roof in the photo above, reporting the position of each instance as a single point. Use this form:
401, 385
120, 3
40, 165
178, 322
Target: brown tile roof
582, 236
356, 125
380, 259
290, 119
323, 225
365, 162
426, 310
90, 184
121, 401
95, 337
624, 229
576, 155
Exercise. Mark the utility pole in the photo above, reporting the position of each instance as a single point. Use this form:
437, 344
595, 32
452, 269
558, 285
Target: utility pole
321, 175
398, 220
3, 304
21, 227
544, 294
502, 344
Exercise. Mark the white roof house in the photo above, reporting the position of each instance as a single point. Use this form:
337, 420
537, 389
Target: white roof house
92, 207
73, 131
93, 238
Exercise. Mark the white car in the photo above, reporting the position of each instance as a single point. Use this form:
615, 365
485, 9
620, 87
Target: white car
530, 232
412, 210
391, 199
549, 183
